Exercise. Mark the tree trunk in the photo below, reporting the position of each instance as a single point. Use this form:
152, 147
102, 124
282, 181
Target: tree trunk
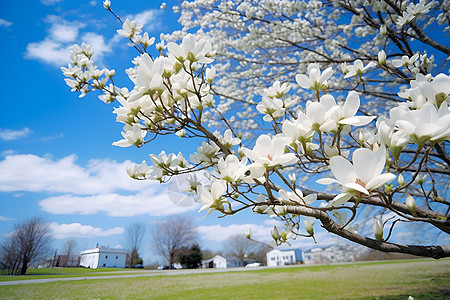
24, 268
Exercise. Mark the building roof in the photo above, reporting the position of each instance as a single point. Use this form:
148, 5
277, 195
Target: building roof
104, 250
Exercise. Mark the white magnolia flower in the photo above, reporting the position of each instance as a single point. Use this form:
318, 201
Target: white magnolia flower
211, 199
405, 61
315, 80
231, 169
424, 124
297, 129
191, 50
269, 152
133, 135
141, 171
358, 68
349, 110
277, 90
359, 178
271, 108
171, 161
297, 197
436, 91
130, 28
206, 154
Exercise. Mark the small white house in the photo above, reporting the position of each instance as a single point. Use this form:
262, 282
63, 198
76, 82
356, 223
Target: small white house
277, 257
221, 262
103, 258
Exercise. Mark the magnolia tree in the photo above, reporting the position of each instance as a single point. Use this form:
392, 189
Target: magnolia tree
372, 117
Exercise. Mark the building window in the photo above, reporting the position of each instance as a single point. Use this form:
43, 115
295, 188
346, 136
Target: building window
106, 256
117, 256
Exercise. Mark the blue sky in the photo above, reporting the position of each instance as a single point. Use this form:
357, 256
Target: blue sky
56, 157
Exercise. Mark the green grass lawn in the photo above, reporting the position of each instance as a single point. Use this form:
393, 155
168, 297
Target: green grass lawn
427, 279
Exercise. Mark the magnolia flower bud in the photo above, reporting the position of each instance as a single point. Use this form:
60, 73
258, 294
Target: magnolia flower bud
421, 178
248, 234
107, 4
378, 229
292, 178
383, 29
411, 204
275, 234
401, 180
382, 57
308, 227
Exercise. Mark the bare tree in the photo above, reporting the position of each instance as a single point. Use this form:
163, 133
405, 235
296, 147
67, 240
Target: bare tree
28, 242
240, 247
172, 234
134, 236
68, 250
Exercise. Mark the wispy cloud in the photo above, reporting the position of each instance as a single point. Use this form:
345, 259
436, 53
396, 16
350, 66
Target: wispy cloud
54, 49
151, 19
113, 205
10, 134
50, 2
219, 233
2, 218
61, 231
4, 23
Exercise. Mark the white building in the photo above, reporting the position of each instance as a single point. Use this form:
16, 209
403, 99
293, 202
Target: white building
103, 258
331, 254
277, 257
221, 262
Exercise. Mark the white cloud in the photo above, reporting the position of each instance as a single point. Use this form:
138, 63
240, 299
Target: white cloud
9, 134
49, 51
113, 205
2, 218
219, 233
64, 32
32, 173
4, 23
54, 49
50, 2
149, 18
61, 231
102, 186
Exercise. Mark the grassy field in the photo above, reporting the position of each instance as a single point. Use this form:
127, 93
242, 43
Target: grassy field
394, 280
44, 273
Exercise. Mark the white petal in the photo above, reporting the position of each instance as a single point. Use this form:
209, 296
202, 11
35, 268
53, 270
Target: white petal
356, 187
341, 199
342, 169
327, 181
365, 164
351, 104
379, 181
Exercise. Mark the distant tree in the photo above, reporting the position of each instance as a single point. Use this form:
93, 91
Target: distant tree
193, 258
239, 246
134, 236
69, 248
260, 252
171, 235
206, 254
26, 244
